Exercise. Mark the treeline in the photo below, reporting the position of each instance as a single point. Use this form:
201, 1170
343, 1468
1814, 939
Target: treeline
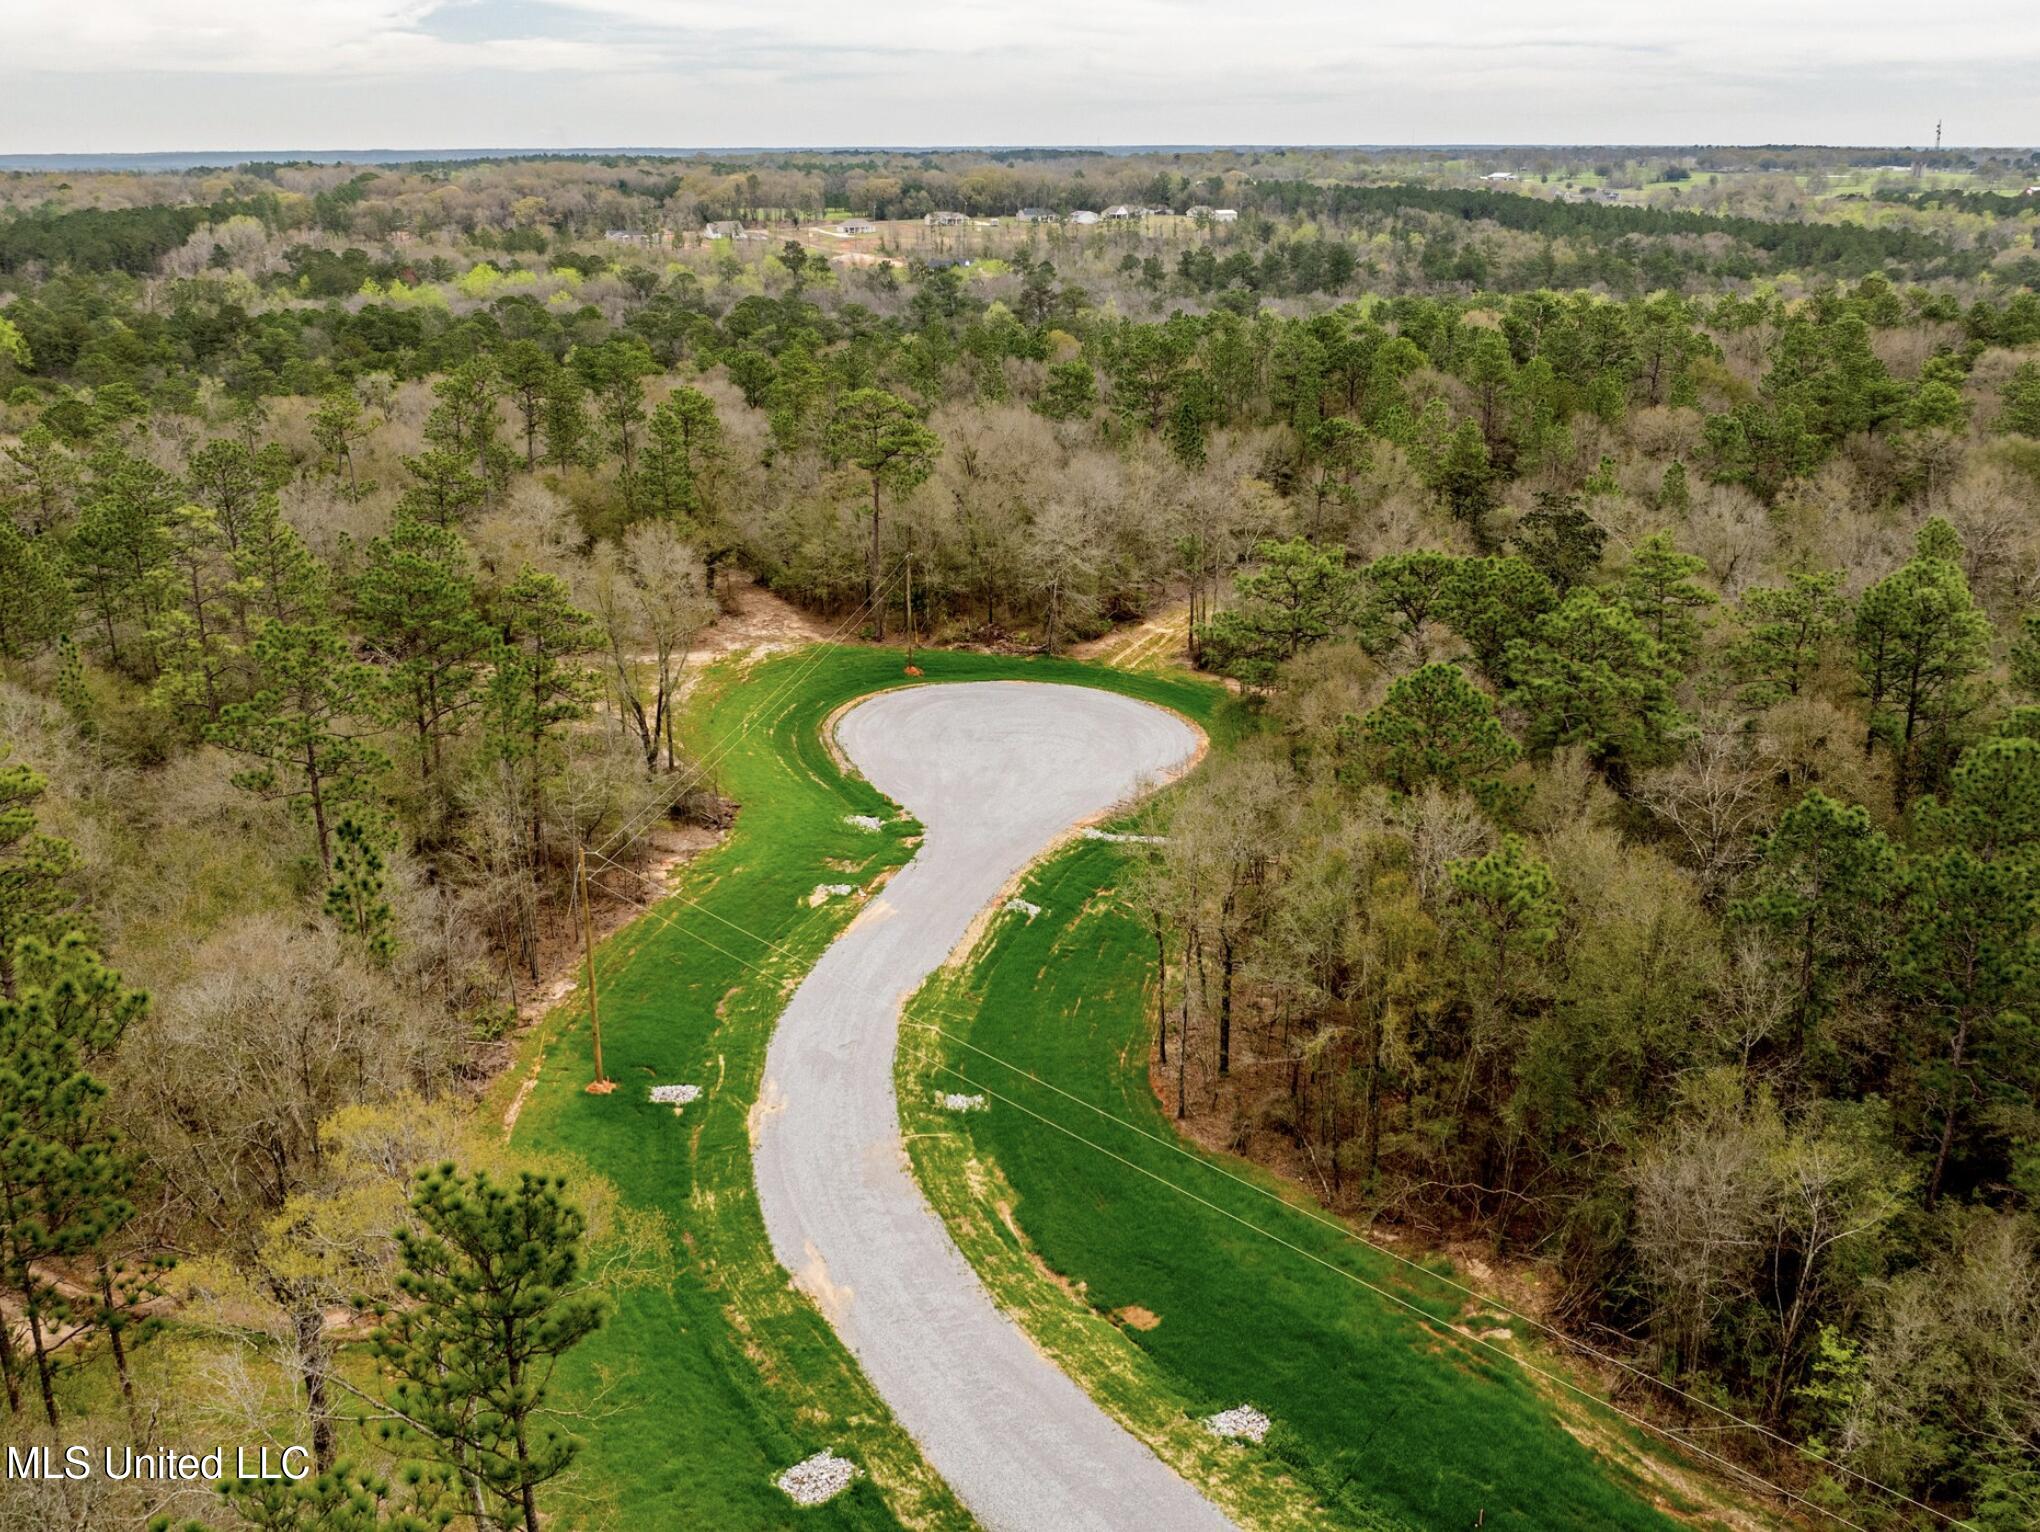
1551, 910
360, 618
1823, 249
132, 240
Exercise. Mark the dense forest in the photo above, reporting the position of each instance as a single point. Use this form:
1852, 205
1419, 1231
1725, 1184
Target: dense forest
1634, 869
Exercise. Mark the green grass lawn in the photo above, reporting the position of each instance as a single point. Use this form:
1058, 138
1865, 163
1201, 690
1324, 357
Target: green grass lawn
1169, 1309
703, 1387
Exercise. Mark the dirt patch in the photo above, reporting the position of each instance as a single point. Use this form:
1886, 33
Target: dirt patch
1134, 1317
1156, 642
757, 621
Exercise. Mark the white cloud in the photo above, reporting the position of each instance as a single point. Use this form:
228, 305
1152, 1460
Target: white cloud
933, 71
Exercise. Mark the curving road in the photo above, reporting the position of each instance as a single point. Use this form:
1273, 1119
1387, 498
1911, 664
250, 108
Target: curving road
995, 771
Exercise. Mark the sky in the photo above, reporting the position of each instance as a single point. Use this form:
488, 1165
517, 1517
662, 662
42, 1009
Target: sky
104, 76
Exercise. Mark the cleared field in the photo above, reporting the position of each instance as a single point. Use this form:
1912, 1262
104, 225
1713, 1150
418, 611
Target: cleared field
1171, 1307
705, 1385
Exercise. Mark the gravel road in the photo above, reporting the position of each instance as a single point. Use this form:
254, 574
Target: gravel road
995, 771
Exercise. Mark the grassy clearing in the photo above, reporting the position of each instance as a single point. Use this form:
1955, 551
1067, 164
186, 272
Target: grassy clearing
1168, 1310
703, 1388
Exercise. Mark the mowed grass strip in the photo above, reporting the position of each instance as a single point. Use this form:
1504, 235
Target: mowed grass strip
706, 1384
1169, 1310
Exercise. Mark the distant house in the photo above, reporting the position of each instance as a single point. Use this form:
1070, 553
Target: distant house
1083, 215
723, 228
1121, 210
857, 226
945, 262
2031, 191
945, 220
1199, 211
1035, 215
1499, 175
1224, 215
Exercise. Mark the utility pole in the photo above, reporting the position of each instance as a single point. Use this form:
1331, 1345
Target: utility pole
910, 616
601, 1085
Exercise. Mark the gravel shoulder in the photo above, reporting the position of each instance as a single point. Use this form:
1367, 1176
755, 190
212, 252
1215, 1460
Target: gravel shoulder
995, 772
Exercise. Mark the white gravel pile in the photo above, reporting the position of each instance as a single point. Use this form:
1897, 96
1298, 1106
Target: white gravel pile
1244, 1423
675, 1095
824, 892
869, 822
961, 1103
817, 1479
1126, 840
1023, 907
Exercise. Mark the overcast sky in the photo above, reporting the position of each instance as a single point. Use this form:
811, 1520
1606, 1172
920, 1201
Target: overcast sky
112, 75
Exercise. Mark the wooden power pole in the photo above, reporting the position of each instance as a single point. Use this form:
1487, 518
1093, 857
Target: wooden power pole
601, 1085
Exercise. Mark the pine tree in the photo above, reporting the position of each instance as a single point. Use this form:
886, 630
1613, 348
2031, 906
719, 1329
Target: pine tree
414, 1497
1404, 593
1921, 649
1509, 914
337, 427
1675, 496
616, 371
36, 900
564, 422
304, 727
526, 369
1970, 957
414, 603
682, 445
35, 599
1436, 726
72, 691
444, 490
194, 632
1659, 587
276, 577
1491, 603
463, 422
1463, 478
1785, 631
1819, 891
496, 1293
1297, 596
879, 434
2019, 401
354, 894
798, 386
117, 547
1069, 392
537, 685
43, 480
1591, 676
63, 1178
1560, 540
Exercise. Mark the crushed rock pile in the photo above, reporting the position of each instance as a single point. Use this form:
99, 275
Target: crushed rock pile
1244, 1423
1126, 840
820, 1478
1023, 907
675, 1095
824, 892
960, 1103
869, 822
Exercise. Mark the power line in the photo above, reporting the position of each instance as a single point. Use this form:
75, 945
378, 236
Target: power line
1667, 1433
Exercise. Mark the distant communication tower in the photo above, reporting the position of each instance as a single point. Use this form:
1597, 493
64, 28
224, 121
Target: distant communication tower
1937, 135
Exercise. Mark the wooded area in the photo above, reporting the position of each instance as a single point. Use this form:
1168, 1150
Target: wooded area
1636, 870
